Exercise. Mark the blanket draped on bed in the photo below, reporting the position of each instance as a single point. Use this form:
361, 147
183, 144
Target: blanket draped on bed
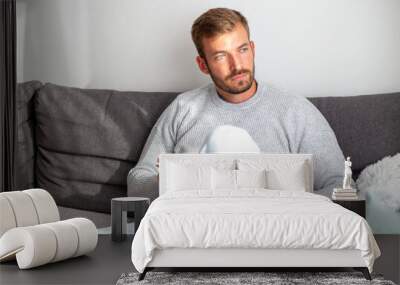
250, 218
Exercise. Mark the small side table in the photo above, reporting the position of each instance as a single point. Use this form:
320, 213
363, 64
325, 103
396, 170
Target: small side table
357, 206
119, 209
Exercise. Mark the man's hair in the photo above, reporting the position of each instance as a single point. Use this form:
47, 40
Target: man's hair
214, 22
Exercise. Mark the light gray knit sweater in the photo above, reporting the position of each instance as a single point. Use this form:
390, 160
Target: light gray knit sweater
277, 123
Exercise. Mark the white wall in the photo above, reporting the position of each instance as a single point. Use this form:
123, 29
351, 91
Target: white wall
308, 47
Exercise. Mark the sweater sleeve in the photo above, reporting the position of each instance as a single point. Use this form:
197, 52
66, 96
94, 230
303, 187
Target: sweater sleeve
142, 180
313, 134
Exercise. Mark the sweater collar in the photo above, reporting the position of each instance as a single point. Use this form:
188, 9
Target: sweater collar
219, 102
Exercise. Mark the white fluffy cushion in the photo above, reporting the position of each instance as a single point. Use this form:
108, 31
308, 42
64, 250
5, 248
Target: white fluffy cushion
40, 244
383, 177
251, 178
283, 174
181, 177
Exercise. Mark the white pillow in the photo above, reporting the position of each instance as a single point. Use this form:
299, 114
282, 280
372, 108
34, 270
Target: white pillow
181, 177
223, 179
283, 174
251, 178
227, 179
293, 179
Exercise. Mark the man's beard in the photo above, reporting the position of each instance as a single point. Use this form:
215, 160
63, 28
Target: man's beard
243, 84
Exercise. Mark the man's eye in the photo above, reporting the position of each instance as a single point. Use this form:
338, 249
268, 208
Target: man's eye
219, 57
244, 49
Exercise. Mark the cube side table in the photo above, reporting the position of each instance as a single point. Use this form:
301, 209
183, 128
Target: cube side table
119, 209
357, 206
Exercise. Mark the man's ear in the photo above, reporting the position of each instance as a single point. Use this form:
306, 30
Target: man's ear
253, 47
201, 62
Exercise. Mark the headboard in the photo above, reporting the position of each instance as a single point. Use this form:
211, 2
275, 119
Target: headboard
231, 161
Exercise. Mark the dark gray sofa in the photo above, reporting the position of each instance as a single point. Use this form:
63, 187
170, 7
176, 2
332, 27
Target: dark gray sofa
79, 144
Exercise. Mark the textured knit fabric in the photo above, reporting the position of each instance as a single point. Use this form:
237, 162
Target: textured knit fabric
277, 123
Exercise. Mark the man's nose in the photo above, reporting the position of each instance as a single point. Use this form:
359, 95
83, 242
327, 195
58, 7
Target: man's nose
234, 63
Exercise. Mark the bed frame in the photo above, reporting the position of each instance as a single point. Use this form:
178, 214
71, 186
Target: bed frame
241, 259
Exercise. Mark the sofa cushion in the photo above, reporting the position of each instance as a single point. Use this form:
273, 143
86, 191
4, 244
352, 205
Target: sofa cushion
366, 127
25, 144
88, 140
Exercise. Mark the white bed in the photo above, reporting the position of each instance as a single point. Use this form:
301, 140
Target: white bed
195, 223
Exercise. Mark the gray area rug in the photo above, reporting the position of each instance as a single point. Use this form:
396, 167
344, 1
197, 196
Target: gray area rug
273, 278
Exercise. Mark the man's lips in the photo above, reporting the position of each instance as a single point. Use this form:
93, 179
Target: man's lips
239, 76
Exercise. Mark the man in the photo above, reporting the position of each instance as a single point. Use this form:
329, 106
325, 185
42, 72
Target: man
236, 108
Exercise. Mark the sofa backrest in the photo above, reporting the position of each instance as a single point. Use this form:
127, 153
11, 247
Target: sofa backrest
25, 142
84, 141
367, 127
88, 140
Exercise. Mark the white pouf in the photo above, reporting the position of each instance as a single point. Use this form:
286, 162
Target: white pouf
7, 220
45, 205
26, 208
32, 233
40, 244
22, 207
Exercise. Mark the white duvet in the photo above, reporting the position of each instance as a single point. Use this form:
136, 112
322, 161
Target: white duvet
250, 219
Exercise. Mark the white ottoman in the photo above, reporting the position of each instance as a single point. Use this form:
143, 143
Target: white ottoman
31, 230
40, 244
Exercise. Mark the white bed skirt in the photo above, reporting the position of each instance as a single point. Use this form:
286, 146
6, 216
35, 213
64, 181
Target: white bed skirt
193, 257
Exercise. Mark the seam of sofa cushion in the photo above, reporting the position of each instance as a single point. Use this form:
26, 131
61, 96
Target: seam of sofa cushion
89, 182
84, 155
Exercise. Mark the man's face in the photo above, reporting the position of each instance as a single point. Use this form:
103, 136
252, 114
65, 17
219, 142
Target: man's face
229, 59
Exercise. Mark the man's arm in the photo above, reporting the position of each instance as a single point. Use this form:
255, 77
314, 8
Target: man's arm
142, 180
313, 134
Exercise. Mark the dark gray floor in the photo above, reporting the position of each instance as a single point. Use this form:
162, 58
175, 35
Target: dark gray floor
111, 259
102, 266
389, 262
